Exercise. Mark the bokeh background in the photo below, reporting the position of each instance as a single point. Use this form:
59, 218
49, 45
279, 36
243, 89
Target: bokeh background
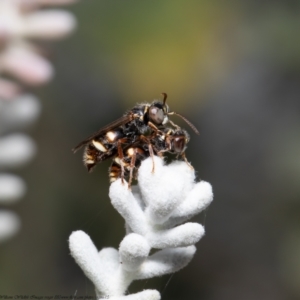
232, 68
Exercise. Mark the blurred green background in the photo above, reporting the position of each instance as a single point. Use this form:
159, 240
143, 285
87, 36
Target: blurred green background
232, 68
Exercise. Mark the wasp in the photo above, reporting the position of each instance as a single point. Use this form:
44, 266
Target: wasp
142, 120
172, 141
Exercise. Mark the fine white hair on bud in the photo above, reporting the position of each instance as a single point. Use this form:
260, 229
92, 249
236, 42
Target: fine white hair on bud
166, 261
134, 249
155, 212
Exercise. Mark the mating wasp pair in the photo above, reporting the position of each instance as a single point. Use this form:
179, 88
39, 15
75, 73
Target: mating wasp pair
139, 133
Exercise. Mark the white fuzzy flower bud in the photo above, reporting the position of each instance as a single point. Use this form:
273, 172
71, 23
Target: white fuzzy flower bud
134, 249
162, 199
166, 261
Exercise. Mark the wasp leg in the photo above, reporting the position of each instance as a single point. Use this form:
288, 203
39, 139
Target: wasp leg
121, 157
151, 152
174, 125
152, 157
184, 157
150, 124
132, 166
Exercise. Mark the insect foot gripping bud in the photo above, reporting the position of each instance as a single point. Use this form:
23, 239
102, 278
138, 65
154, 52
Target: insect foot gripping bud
155, 212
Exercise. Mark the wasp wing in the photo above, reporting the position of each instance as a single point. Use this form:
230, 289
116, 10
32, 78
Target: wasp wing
123, 120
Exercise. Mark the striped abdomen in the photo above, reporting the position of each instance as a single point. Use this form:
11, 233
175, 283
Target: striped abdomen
101, 148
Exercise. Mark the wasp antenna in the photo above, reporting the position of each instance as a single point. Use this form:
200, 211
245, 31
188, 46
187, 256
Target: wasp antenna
165, 97
75, 149
186, 120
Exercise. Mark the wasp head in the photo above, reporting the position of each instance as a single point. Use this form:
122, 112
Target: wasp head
158, 112
177, 141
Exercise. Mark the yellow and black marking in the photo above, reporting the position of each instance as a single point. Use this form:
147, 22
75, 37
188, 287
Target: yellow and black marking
127, 166
102, 148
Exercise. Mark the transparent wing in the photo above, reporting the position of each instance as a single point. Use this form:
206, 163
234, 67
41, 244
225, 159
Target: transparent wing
113, 125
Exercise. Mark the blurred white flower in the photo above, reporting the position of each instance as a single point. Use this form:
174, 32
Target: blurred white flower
16, 149
9, 224
154, 213
19, 23
20, 58
21, 20
8, 89
23, 62
29, 3
19, 113
48, 24
12, 188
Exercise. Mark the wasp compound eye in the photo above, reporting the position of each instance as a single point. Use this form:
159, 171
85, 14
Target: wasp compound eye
156, 115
